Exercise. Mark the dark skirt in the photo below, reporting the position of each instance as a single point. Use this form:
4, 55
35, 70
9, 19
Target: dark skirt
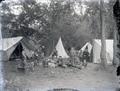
118, 71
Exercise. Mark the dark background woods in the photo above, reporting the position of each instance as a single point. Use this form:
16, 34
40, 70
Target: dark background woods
44, 23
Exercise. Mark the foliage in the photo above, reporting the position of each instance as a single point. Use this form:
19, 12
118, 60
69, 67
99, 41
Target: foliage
44, 23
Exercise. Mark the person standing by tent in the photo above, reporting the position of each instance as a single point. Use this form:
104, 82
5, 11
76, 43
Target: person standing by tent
80, 55
73, 55
55, 53
85, 56
36, 58
22, 62
43, 50
24, 58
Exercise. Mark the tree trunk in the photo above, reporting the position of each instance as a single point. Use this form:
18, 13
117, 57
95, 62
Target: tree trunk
116, 12
103, 39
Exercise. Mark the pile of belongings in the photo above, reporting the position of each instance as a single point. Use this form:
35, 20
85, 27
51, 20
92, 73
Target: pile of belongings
56, 62
62, 62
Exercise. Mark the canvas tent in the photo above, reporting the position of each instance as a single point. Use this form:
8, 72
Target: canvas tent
60, 49
97, 50
89, 47
8, 45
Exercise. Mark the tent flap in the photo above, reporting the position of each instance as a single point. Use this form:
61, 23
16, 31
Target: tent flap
89, 47
8, 46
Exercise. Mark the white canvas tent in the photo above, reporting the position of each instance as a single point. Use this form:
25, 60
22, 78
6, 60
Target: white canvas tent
8, 45
97, 50
60, 49
89, 47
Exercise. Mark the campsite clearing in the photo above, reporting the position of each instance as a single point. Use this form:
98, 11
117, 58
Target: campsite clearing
42, 79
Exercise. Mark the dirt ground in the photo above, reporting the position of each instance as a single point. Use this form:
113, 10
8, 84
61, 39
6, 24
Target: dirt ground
44, 79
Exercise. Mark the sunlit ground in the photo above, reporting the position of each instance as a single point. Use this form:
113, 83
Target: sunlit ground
42, 79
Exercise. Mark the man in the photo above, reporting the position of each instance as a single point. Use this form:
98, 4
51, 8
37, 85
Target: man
85, 56
35, 56
24, 54
43, 49
80, 55
73, 55
24, 58
55, 53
